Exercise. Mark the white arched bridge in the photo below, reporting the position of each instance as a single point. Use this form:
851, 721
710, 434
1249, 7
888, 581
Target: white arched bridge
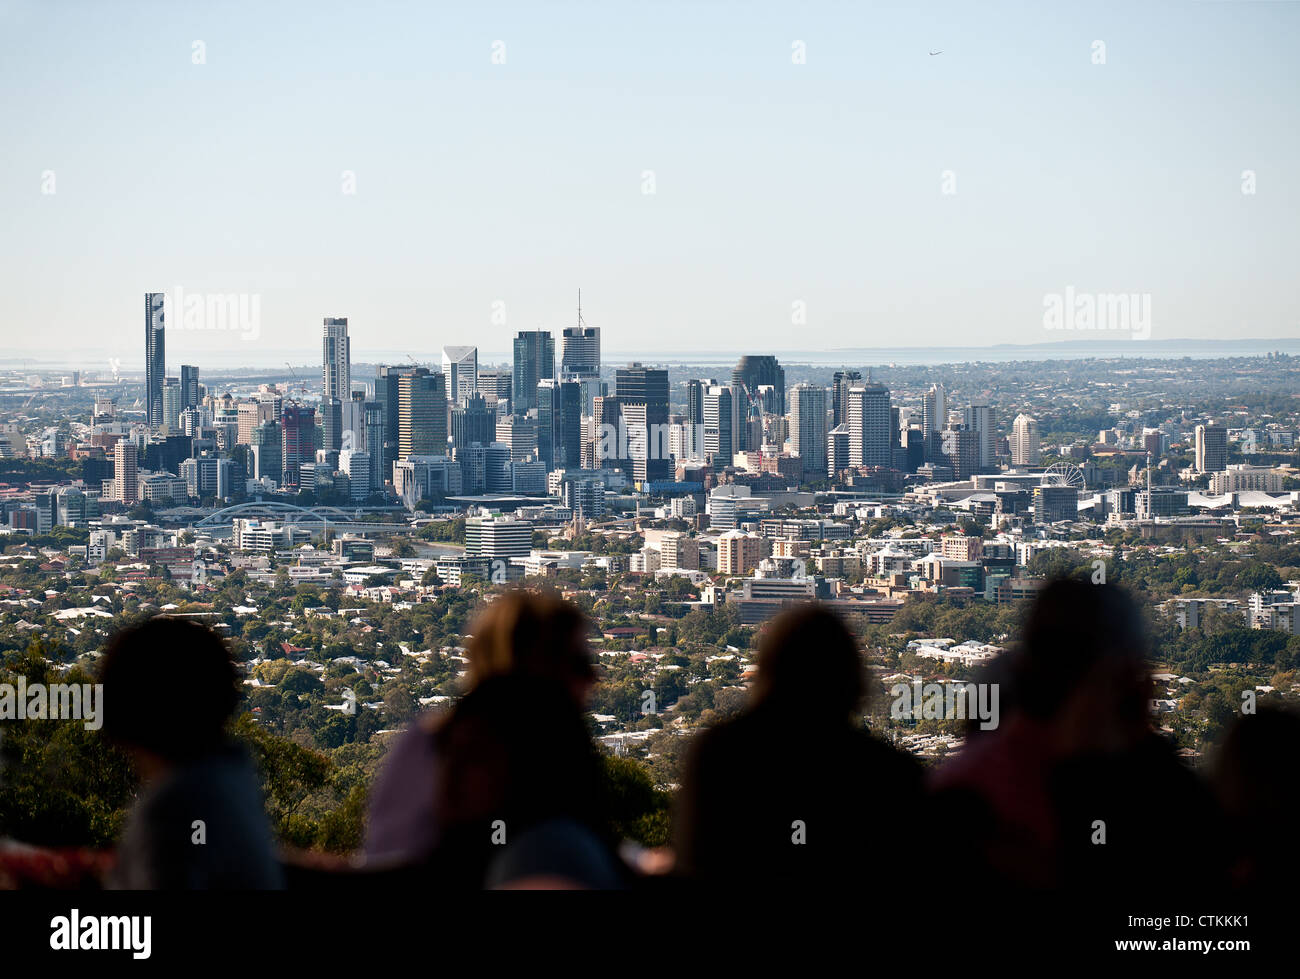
322, 516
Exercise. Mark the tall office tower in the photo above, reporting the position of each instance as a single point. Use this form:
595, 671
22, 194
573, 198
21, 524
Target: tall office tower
460, 366
693, 444
934, 419
473, 421
756, 370
387, 394
870, 440
580, 352
495, 386
559, 424
297, 440
126, 472
337, 359
605, 423
374, 441
840, 384
548, 395
421, 414
978, 417
808, 433
719, 425
960, 451
155, 357
642, 394
266, 448
837, 450
534, 361
189, 386
331, 422
519, 433
171, 416
1211, 448
1024, 441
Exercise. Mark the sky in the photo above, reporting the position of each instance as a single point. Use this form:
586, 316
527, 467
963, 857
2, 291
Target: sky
819, 180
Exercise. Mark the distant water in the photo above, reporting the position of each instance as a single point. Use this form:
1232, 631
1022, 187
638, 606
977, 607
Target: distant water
1102, 348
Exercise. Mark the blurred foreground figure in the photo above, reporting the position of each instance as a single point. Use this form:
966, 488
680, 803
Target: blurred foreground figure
520, 634
199, 823
519, 800
1074, 789
1253, 776
795, 790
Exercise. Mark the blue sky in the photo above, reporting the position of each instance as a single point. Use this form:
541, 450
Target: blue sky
518, 183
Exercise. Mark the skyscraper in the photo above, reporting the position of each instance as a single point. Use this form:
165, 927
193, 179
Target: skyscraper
337, 360
755, 370
978, 417
473, 421
559, 423
171, 415
840, 384
534, 361
934, 419
719, 425
189, 386
808, 433
460, 367
126, 476
265, 448
642, 393
871, 443
387, 377
1211, 448
421, 414
1024, 441
297, 442
580, 352
155, 358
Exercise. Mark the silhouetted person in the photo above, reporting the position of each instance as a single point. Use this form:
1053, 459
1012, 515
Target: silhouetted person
795, 790
200, 822
1074, 789
1254, 778
520, 633
520, 797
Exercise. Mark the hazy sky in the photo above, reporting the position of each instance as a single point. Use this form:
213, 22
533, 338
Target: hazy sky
775, 183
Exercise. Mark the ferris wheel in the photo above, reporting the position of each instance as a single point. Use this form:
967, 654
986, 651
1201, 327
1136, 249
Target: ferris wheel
1064, 474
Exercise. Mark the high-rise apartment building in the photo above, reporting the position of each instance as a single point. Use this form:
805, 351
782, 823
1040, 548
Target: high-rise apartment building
336, 358
808, 433
978, 417
155, 357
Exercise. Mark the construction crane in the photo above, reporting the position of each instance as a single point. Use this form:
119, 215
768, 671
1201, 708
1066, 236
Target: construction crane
302, 385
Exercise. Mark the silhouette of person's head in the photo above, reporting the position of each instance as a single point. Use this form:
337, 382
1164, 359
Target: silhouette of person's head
170, 686
809, 665
524, 633
1081, 666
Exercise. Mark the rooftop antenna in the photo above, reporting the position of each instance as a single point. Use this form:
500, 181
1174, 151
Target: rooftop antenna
579, 309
